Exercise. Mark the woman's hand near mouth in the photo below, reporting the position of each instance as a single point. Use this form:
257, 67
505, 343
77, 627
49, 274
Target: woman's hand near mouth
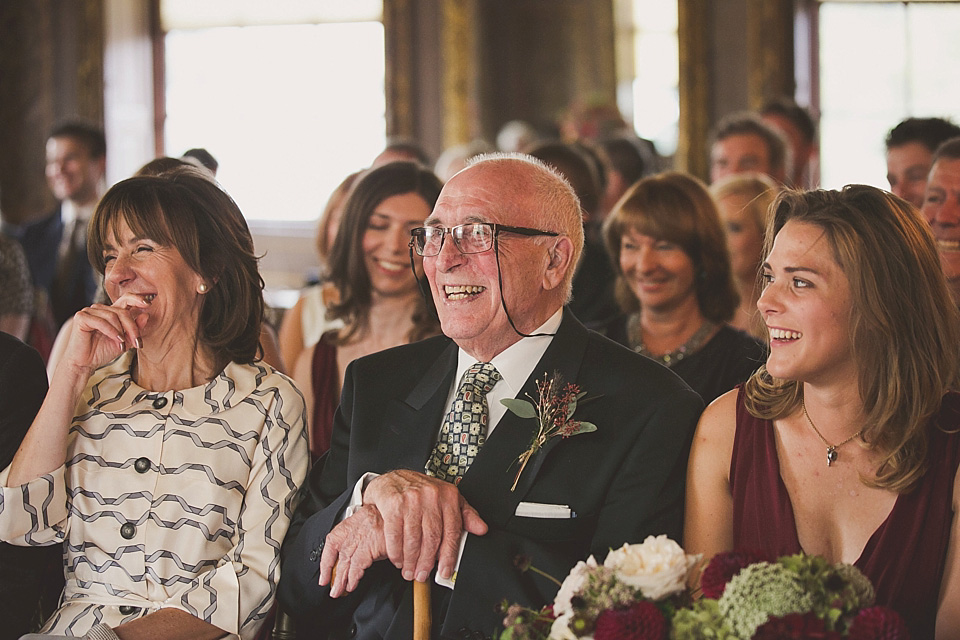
102, 332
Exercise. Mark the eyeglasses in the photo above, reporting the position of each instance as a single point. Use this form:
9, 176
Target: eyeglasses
475, 237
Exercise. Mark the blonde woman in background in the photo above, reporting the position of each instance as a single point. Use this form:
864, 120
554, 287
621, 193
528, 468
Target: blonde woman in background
743, 200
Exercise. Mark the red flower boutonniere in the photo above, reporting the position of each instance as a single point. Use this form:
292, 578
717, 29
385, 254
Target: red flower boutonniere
553, 409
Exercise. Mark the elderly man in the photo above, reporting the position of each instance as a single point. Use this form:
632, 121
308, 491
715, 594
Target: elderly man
941, 208
431, 478
743, 143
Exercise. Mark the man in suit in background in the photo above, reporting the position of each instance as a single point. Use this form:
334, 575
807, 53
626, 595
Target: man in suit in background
56, 244
422, 481
910, 148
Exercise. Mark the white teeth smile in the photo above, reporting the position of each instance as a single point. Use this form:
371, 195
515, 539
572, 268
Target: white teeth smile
392, 266
948, 245
783, 334
461, 291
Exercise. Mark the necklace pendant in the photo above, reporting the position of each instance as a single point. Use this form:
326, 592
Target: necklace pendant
831, 455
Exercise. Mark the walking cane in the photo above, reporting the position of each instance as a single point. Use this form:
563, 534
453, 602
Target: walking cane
422, 616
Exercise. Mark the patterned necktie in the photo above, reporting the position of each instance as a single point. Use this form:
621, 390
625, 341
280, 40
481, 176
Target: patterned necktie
465, 426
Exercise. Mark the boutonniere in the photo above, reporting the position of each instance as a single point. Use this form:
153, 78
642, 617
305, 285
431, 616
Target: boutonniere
553, 409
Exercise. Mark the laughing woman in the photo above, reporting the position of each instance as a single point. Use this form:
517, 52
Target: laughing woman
166, 456
380, 303
846, 443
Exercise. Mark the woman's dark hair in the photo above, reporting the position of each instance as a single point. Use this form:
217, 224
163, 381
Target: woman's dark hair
183, 208
677, 207
347, 266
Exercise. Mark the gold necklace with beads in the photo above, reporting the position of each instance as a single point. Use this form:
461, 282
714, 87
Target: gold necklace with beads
691, 346
832, 454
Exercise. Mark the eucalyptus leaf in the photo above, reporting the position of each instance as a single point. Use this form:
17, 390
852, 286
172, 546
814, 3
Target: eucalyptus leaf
585, 427
521, 408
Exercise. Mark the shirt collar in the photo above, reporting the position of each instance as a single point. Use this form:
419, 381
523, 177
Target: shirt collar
516, 362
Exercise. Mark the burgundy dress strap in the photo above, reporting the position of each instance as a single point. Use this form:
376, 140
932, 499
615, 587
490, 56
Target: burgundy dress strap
326, 393
905, 556
762, 512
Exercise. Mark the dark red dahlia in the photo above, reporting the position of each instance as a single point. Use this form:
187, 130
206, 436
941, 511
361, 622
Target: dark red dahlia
642, 621
796, 626
878, 623
723, 567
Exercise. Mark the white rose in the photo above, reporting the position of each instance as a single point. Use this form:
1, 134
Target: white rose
571, 585
658, 567
560, 630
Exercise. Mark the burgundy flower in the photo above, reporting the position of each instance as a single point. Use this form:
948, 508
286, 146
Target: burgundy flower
878, 623
796, 626
642, 621
723, 567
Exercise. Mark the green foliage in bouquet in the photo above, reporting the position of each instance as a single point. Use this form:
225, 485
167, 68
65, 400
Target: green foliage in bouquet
701, 620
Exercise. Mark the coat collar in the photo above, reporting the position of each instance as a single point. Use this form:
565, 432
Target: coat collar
115, 391
487, 484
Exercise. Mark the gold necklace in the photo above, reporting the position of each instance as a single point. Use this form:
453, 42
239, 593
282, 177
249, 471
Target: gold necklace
832, 454
691, 346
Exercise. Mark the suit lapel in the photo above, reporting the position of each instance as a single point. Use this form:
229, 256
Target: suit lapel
487, 483
411, 430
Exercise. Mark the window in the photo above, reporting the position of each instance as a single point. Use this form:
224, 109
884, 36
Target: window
289, 97
881, 62
648, 68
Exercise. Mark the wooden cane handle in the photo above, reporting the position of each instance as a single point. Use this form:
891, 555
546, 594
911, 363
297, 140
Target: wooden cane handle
422, 616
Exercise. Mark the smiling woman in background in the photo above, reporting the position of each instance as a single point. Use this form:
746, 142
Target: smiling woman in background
165, 456
846, 444
380, 302
674, 284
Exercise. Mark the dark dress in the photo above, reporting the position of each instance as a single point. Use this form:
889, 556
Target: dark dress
26, 573
326, 393
728, 359
905, 556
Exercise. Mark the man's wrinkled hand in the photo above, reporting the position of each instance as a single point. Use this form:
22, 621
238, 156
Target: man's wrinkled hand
350, 549
423, 519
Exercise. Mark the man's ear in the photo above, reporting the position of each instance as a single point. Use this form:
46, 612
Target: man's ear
561, 260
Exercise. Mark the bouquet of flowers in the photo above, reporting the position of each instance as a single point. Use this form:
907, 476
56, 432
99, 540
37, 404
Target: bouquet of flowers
641, 592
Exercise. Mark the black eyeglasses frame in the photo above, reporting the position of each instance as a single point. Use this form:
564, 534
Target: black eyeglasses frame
497, 229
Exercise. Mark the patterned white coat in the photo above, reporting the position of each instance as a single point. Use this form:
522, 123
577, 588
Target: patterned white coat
176, 499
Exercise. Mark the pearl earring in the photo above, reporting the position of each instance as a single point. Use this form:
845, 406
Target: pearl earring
202, 288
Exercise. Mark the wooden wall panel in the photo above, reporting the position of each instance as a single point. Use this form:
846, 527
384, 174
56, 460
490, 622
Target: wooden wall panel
51, 68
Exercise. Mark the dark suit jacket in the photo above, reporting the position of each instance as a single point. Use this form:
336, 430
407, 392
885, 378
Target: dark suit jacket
24, 571
624, 481
40, 240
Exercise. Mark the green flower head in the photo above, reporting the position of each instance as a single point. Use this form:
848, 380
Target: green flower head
759, 591
700, 621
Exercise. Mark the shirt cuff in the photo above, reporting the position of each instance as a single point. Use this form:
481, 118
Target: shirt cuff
450, 582
356, 498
